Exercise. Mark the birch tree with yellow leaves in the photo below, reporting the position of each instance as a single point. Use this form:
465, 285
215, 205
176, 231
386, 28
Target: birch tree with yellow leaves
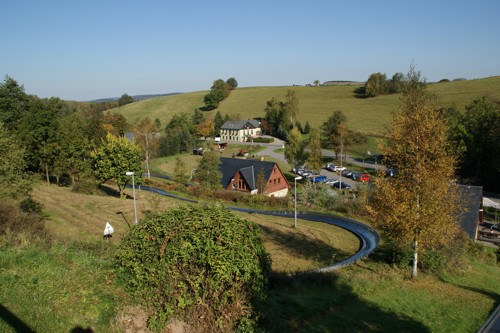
418, 207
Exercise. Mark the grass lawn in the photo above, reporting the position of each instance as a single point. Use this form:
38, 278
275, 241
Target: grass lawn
373, 297
166, 165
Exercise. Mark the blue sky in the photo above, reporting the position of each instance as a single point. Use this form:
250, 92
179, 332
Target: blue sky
83, 50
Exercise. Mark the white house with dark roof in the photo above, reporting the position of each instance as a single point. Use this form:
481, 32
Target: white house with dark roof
240, 130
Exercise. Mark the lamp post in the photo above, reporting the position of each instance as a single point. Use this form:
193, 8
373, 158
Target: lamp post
295, 200
131, 173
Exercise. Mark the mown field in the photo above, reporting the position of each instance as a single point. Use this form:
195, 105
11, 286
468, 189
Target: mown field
69, 284
368, 115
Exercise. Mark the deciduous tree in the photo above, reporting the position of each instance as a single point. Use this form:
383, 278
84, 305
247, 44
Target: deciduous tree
74, 153
14, 179
147, 138
114, 158
13, 103
376, 85
418, 205
125, 99
292, 104
180, 172
294, 149
331, 130
231, 83
314, 157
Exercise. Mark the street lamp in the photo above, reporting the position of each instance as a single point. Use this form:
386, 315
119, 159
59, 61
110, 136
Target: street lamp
295, 201
131, 173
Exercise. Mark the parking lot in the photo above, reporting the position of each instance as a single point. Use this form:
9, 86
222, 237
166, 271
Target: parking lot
335, 175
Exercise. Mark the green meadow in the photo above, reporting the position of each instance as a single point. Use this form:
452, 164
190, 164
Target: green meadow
367, 115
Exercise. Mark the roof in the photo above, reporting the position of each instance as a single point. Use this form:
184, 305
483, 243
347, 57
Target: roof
470, 200
240, 124
249, 169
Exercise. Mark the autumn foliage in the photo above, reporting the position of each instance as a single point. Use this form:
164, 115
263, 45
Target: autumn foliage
420, 202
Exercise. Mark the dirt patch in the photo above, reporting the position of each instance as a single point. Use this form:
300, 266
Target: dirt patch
134, 319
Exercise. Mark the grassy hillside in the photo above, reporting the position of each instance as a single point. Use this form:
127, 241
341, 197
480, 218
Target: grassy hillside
369, 115
64, 287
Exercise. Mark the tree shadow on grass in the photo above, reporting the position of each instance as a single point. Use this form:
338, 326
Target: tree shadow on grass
301, 246
16, 323
112, 192
492, 295
360, 92
320, 302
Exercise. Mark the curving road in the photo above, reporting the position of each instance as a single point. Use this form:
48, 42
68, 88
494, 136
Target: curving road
369, 237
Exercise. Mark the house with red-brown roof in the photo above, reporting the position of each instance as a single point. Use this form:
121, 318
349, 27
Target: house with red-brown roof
253, 176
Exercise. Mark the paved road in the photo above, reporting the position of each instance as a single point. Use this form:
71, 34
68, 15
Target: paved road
492, 324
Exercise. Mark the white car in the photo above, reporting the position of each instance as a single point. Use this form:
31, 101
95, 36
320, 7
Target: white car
331, 181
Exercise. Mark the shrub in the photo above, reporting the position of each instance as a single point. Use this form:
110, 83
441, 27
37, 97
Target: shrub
15, 221
261, 140
202, 264
29, 205
85, 187
480, 252
438, 260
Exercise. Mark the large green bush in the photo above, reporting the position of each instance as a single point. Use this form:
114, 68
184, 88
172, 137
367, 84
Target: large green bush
201, 264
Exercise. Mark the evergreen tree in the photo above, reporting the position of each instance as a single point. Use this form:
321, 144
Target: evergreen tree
307, 128
481, 127
218, 122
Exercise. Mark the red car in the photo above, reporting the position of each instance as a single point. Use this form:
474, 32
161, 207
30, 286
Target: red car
364, 177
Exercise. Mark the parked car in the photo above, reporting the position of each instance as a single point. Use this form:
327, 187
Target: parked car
354, 175
341, 186
304, 173
318, 178
331, 181
297, 168
495, 227
334, 168
346, 173
339, 168
364, 177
